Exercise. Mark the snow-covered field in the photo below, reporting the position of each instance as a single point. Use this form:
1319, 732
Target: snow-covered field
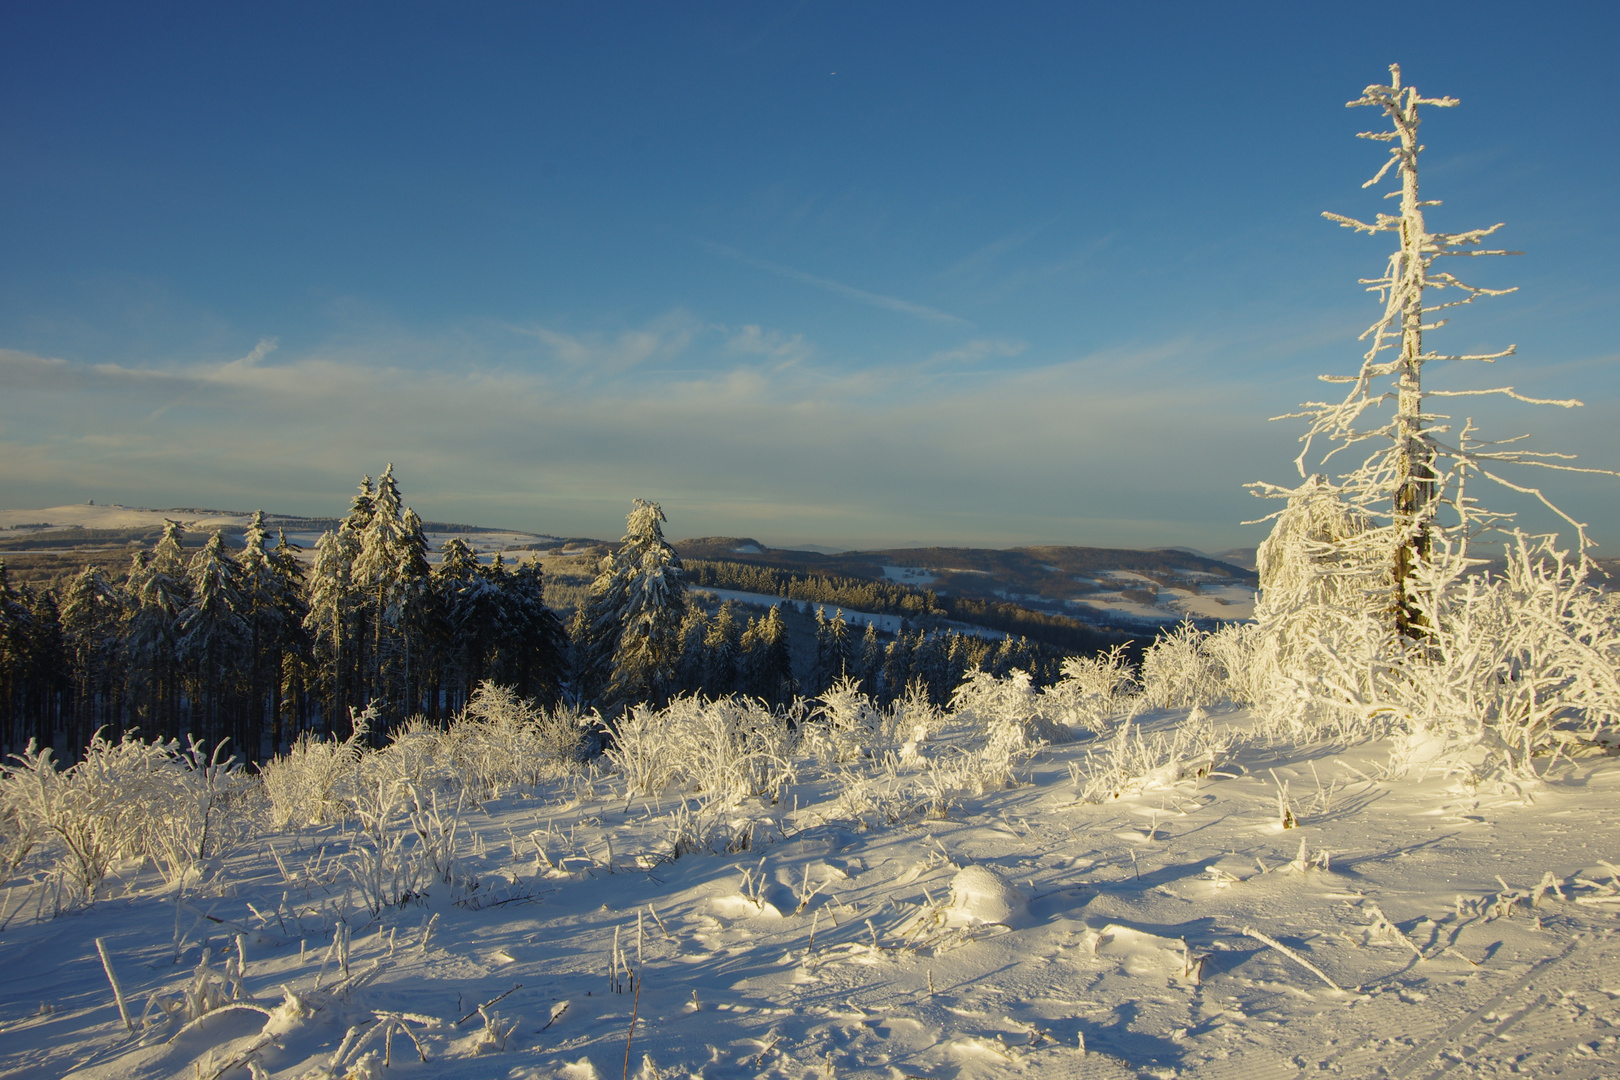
1174, 896
1213, 600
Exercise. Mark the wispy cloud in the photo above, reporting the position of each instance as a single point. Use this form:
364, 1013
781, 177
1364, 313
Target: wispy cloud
838, 288
612, 354
750, 436
753, 340
978, 351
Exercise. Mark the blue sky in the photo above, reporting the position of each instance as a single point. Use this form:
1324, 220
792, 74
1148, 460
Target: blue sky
855, 274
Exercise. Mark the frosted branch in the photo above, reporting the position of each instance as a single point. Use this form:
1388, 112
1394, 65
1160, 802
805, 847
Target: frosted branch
1505, 391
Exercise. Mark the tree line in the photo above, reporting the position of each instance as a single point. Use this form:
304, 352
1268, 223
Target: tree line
879, 597
259, 643
908, 601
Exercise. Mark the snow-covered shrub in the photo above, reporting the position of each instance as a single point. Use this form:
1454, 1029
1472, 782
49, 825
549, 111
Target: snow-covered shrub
1179, 673
501, 740
208, 809
722, 749
413, 754
911, 720
736, 748
641, 751
1092, 689
1523, 662
1233, 647
175, 804
1320, 640
405, 840
845, 726
1132, 760
1009, 711
79, 812
312, 783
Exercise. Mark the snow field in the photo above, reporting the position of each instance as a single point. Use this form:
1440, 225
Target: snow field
881, 892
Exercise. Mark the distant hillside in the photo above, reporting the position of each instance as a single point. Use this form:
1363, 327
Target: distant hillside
1103, 586
1054, 592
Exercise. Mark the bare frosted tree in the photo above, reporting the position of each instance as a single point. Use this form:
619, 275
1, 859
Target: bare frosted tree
1416, 463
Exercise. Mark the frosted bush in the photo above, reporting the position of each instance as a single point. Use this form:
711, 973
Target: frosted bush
1178, 673
79, 813
1524, 663
209, 807
912, 719
845, 726
501, 741
1093, 686
1234, 649
641, 752
175, 804
1133, 760
413, 754
735, 748
1009, 712
406, 829
312, 783
723, 749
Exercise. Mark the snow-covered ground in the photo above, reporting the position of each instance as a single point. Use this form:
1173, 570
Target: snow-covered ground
1214, 599
92, 516
1407, 924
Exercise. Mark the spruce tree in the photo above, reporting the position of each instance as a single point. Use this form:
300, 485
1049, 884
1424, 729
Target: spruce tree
93, 613
722, 652
654, 602
766, 668
158, 593
332, 627
212, 638
16, 628
869, 665
469, 599
689, 669
627, 634
293, 655
530, 650
825, 668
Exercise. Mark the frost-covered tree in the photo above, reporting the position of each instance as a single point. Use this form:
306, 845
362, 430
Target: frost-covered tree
689, 668
212, 639
531, 651
273, 590
1372, 603
1410, 484
93, 614
16, 634
766, 667
331, 625
158, 593
869, 664
469, 603
654, 604
627, 632
722, 651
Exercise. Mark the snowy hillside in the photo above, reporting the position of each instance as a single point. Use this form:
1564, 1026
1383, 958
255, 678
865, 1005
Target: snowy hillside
50, 529
1174, 897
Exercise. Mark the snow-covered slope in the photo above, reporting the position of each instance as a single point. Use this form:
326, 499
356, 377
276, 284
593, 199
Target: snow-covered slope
1408, 925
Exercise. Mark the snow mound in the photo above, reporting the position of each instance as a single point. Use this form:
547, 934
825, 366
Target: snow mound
980, 895
1141, 954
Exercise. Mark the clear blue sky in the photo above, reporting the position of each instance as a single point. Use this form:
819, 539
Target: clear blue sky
852, 274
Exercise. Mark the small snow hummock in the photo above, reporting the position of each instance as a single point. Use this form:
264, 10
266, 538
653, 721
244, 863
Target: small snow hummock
979, 895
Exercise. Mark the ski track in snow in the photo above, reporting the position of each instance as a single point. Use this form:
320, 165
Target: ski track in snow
1107, 904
